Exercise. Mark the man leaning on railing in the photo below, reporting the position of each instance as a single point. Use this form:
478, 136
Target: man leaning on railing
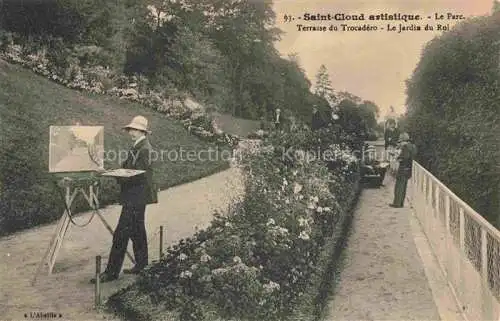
405, 158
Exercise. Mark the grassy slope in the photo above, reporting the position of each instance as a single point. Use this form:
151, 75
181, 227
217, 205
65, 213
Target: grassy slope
29, 104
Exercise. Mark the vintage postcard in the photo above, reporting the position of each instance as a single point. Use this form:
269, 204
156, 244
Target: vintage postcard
298, 160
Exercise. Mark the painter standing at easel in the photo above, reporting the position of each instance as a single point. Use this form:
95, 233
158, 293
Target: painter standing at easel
136, 193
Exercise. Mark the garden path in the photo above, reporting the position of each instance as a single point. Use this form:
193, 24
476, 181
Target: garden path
67, 291
388, 271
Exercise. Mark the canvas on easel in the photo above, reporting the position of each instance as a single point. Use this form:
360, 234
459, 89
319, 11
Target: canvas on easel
76, 155
76, 148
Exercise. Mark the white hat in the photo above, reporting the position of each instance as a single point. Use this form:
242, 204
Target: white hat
139, 123
404, 137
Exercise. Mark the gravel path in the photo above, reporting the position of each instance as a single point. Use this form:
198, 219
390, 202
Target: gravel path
383, 277
67, 291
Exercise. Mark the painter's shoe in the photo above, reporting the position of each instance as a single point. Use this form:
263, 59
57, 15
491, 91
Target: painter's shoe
104, 277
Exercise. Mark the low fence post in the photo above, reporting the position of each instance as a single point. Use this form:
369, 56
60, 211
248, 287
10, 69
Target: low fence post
436, 202
161, 241
484, 255
462, 230
429, 197
97, 281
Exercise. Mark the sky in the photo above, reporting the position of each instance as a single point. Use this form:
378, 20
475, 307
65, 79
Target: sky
370, 64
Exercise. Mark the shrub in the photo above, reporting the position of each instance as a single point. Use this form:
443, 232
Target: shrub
257, 261
86, 68
453, 103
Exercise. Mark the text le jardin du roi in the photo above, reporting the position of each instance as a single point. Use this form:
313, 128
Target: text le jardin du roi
396, 22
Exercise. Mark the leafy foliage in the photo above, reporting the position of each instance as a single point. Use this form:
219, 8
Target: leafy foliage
220, 52
453, 104
27, 194
257, 261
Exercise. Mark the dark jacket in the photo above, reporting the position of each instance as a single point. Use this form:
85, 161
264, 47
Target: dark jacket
317, 121
408, 153
140, 189
391, 137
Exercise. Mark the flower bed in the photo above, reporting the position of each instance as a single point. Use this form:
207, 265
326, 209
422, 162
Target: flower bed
68, 70
266, 259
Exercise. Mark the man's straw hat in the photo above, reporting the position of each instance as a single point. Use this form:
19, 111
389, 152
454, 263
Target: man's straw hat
139, 123
404, 137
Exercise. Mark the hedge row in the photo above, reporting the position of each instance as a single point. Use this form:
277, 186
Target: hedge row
453, 112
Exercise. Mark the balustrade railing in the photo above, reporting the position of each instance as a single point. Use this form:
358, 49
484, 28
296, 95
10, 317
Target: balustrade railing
466, 246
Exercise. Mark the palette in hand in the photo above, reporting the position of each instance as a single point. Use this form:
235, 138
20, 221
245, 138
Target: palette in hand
123, 172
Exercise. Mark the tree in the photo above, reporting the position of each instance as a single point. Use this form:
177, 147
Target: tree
369, 112
496, 7
323, 86
454, 119
343, 95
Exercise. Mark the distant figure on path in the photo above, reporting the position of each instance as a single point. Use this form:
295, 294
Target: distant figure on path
405, 158
317, 121
277, 120
136, 192
391, 134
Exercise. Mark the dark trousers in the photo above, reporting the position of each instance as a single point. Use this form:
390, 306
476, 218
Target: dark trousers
400, 190
130, 226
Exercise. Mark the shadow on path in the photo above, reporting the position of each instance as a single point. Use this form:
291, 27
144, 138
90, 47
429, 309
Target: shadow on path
67, 291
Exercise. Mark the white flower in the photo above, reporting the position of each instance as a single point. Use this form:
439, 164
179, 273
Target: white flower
186, 275
237, 260
287, 201
182, 257
303, 222
282, 230
206, 278
205, 258
315, 199
194, 266
285, 182
297, 188
301, 197
270, 222
295, 172
326, 209
219, 271
228, 224
271, 286
319, 209
311, 206
304, 236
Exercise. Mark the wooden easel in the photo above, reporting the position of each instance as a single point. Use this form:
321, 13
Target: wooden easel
72, 191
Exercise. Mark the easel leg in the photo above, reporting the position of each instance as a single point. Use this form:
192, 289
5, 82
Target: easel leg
55, 244
59, 239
